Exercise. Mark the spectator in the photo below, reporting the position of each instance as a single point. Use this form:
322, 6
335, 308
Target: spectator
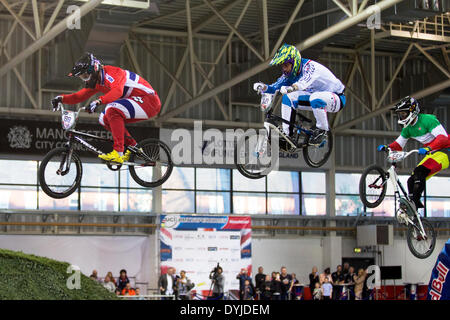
327, 289
111, 278
345, 268
138, 295
175, 279
118, 292
218, 283
285, 283
242, 276
325, 275
94, 275
349, 280
166, 283
260, 278
266, 294
275, 286
338, 279
184, 285
249, 292
317, 292
128, 290
359, 280
123, 280
109, 285
313, 279
291, 290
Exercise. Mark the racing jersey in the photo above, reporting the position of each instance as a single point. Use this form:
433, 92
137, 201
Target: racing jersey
439, 286
115, 83
313, 77
426, 130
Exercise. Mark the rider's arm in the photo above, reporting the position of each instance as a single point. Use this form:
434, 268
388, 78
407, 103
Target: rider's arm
78, 97
307, 79
281, 81
117, 85
441, 141
399, 143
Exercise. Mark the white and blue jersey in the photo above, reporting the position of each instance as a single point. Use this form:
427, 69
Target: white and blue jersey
313, 77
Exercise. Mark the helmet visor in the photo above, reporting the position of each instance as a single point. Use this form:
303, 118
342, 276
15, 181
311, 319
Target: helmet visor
402, 115
85, 76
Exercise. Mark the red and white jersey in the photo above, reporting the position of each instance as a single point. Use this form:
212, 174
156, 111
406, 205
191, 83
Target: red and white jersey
115, 83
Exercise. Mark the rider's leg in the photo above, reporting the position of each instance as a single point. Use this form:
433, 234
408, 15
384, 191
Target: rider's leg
321, 103
428, 167
289, 103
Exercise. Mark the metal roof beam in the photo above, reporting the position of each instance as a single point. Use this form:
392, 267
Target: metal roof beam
46, 38
317, 38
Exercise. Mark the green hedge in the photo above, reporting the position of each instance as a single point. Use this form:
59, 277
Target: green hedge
29, 277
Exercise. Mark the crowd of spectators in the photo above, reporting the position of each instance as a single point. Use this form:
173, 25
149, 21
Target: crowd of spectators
121, 286
344, 282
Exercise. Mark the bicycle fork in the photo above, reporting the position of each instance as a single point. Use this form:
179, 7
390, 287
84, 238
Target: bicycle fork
405, 219
65, 161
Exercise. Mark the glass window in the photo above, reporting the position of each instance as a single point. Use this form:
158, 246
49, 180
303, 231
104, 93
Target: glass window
99, 199
213, 179
136, 200
18, 172
313, 182
386, 208
347, 183
213, 202
48, 203
126, 181
178, 201
283, 204
403, 180
241, 183
438, 186
314, 205
18, 197
348, 205
180, 178
249, 203
438, 207
283, 181
98, 175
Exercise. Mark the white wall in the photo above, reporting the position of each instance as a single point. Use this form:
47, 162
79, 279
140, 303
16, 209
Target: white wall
298, 255
102, 253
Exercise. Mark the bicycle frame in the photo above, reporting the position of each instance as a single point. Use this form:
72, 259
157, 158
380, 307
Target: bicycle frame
267, 107
393, 177
69, 120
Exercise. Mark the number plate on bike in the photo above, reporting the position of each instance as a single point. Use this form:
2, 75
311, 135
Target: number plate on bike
266, 102
396, 156
68, 119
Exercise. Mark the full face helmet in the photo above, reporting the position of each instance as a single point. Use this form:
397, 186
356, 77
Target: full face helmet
407, 110
288, 54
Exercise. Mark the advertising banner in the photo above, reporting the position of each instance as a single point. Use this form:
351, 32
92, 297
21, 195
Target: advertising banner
29, 137
196, 244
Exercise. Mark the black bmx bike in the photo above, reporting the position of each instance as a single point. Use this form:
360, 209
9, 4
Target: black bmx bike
150, 163
253, 152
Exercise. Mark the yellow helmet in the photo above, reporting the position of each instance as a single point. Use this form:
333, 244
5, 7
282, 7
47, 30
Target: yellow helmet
288, 53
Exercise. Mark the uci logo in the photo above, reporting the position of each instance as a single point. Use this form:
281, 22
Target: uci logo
170, 221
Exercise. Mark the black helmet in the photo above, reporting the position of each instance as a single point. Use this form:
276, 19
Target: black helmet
407, 110
89, 65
